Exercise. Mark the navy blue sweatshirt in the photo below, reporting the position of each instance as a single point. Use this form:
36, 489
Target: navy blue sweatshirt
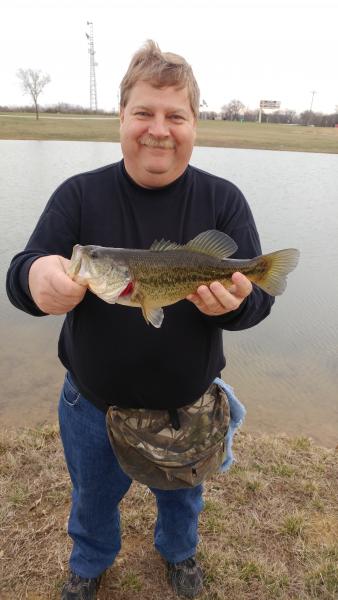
113, 355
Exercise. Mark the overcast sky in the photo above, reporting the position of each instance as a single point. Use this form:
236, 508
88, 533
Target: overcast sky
239, 49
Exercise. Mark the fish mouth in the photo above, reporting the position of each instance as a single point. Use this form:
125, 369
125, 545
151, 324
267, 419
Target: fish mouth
75, 261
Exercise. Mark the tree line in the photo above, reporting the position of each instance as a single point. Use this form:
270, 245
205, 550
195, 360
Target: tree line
236, 111
33, 83
59, 107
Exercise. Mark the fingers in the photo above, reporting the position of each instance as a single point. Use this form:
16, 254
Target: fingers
64, 285
63, 294
51, 288
241, 287
65, 264
217, 300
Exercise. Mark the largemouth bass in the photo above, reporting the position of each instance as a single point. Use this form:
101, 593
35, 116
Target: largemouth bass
168, 272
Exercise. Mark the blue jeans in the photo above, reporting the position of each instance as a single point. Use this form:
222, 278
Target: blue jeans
99, 484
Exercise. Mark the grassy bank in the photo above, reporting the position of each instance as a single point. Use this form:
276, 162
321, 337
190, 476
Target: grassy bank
269, 529
210, 133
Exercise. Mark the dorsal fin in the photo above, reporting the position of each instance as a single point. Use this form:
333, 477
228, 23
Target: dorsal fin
212, 242
163, 245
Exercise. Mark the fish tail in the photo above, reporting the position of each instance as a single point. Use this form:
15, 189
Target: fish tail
277, 265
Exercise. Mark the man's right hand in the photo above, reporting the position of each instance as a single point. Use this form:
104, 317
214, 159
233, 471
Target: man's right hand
51, 288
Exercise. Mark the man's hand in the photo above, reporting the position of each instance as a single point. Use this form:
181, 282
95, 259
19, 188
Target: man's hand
51, 288
216, 300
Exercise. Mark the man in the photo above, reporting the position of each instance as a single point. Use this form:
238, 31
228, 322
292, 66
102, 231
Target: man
112, 357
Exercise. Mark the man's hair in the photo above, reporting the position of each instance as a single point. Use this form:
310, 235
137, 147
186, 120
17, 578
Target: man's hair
160, 69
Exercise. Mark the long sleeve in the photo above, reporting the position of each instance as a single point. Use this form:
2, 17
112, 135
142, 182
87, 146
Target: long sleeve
100, 343
55, 233
240, 225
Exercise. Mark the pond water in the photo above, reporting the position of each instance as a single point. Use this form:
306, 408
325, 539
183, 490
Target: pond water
285, 370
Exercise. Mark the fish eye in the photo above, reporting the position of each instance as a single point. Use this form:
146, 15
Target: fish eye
93, 254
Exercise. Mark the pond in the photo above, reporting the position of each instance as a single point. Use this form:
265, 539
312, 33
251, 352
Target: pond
284, 370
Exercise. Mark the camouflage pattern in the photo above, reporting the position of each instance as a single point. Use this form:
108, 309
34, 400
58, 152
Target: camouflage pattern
151, 451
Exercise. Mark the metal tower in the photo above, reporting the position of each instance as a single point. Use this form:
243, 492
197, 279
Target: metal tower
93, 64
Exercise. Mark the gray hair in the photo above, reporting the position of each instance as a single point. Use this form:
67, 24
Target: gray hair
160, 69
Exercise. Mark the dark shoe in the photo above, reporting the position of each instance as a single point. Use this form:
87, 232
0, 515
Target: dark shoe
79, 588
186, 577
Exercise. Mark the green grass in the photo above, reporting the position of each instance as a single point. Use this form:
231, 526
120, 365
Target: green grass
224, 134
293, 525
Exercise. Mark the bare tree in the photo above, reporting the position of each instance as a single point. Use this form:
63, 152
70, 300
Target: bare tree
33, 83
233, 109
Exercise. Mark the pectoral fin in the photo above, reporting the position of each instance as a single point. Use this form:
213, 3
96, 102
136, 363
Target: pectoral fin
151, 314
154, 316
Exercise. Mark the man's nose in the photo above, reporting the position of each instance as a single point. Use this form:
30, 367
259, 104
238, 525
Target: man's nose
158, 127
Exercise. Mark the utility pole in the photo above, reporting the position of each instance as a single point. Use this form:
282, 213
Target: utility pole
92, 65
313, 94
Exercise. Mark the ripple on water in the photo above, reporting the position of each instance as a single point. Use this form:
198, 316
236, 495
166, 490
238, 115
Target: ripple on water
284, 370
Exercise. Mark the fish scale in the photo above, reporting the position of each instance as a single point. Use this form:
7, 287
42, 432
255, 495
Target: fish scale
168, 272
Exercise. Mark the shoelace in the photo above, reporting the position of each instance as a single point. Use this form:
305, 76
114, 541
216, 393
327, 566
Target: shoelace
188, 562
75, 579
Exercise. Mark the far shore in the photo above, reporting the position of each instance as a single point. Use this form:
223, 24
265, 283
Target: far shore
223, 134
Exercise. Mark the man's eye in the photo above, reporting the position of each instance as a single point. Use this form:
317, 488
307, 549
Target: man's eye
177, 118
142, 113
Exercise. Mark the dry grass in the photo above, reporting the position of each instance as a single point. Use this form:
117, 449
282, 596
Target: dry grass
267, 136
224, 134
269, 529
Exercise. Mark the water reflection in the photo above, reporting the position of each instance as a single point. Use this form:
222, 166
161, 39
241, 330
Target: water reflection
284, 370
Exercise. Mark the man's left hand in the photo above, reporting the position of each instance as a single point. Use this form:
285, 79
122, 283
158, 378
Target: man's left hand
215, 300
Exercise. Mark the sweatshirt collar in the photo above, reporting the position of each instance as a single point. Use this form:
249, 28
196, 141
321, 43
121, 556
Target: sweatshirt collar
174, 187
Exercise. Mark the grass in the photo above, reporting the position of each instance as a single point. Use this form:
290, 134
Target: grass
224, 134
266, 533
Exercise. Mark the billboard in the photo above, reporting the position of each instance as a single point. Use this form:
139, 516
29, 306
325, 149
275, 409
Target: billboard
269, 104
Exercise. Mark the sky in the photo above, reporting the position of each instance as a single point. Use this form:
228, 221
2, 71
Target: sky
246, 50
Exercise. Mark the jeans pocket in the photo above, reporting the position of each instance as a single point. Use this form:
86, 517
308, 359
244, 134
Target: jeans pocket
70, 393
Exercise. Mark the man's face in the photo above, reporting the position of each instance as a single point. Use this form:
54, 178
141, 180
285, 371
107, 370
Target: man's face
158, 131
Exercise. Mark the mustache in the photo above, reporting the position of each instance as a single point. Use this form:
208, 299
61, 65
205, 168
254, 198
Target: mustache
149, 140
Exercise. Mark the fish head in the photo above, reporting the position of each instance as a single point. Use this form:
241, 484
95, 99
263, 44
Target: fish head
91, 264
